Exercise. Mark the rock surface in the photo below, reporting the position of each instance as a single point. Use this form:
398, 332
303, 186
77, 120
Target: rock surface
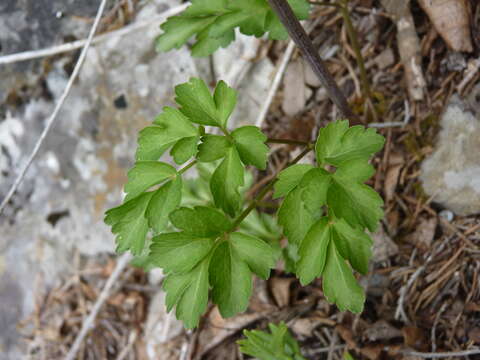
81, 168
451, 174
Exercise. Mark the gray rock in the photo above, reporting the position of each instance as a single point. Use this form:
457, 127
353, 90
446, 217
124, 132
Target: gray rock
81, 168
33, 25
451, 174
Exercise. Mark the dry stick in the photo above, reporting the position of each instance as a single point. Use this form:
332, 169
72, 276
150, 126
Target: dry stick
400, 311
301, 39
275, 83
278, 77
88, 323
35, 54
441, 355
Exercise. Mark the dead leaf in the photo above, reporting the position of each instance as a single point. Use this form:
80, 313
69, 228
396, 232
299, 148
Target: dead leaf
280, 288
372, 352
347, 336
451, 18
391, 181
474, 335
217, 329
423, 236
305, 326
383, 246
385, 58
414, 337
295, 91
381, 330
260, 300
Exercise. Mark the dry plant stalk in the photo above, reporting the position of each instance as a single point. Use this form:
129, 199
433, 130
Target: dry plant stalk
408, 46
452, 21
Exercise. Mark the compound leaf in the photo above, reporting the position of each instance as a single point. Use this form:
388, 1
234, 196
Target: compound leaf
213, 147
213, 23
250, 143
178, 252
178, 29
226, 181
129, 223
225, 100
356, 170
313, 251
168, 128
258, 255
231, 280
315, 184
146, 174
196, 102
276, 345
357, 203
294, 216
200, 221
353, 244
337, 143
164, 200
339, 284
184, 149
189, 292
289, 178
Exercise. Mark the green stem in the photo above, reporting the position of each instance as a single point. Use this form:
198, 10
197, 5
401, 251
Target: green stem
288, 142
255, 202
352, 34
186, 167
266, 204
226, 133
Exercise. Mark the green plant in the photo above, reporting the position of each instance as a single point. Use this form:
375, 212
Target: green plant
279, 344
276, 345
213, 23
206, 250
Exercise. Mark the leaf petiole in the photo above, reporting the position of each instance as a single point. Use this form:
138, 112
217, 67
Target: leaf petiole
186, 167
257, 200
289, 142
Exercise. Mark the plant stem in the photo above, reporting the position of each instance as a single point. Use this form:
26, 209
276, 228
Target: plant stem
300, 37
288, 142
186, 167
323, 3
257, 201
352, 34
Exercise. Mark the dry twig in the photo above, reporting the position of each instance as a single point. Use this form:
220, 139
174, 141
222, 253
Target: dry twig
89, 321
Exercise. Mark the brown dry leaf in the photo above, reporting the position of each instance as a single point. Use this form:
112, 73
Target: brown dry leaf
217, 329
395, 164
260, 300
383, 246
414, 337
472, 307
391, 181
347, 336
280, 288
381, 330
295, 92
372, 352
385, 59
423, 236
305, 326
452, 20
474, 335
